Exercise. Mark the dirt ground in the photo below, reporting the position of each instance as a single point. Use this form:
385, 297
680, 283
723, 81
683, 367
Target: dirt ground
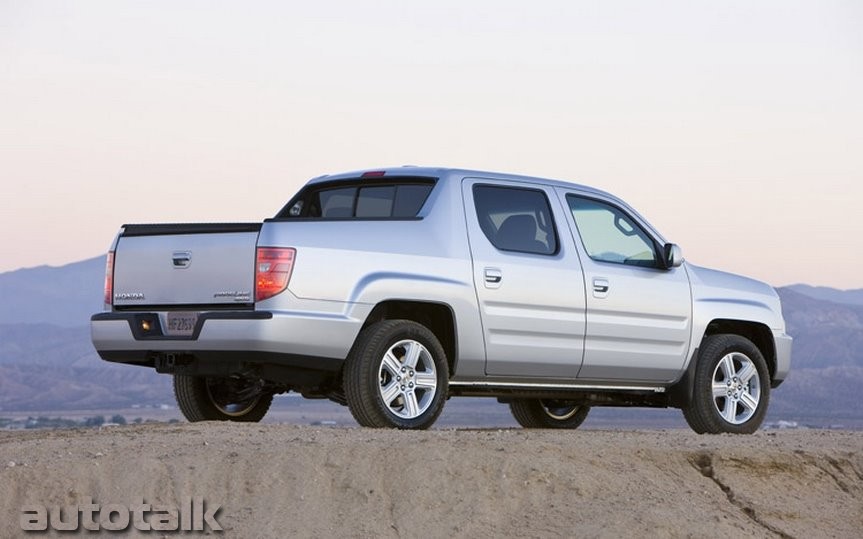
300, 481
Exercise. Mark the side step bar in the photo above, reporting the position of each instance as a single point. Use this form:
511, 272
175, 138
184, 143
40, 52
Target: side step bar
539, 386
589, 394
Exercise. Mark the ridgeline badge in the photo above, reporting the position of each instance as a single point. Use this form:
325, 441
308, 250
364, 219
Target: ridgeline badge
138, 296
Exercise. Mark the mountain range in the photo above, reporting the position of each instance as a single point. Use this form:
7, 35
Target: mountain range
48, 363
847, 297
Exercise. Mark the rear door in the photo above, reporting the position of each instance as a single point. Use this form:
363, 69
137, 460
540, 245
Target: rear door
639, 314
528, 281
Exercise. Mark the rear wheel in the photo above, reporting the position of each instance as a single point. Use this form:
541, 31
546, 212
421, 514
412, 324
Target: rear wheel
396, 376
548, 413
731, 388
221, 399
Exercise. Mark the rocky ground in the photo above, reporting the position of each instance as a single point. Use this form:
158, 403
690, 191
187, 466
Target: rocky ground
285, 481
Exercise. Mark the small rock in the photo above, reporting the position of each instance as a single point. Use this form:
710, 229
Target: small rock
11, 464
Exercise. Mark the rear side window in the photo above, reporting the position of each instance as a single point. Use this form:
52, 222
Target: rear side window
516, 219
356, 199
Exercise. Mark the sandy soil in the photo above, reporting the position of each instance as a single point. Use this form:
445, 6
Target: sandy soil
283, 480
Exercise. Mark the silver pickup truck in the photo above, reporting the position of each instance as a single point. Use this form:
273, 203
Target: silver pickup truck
392, 290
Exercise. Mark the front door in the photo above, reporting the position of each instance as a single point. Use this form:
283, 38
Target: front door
527, 278
639, 314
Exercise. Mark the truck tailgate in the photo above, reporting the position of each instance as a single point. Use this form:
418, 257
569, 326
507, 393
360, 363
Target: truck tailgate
186, 265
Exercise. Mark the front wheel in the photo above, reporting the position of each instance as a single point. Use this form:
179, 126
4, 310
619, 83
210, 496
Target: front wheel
548, 413
396, 376
221, 399
731, 389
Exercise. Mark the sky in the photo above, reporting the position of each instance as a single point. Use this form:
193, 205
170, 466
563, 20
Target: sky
734, 127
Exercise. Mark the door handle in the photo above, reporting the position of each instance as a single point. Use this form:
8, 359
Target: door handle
600, 288
493, 277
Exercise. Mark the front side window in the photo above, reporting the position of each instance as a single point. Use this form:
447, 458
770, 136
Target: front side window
515, 219
610, 235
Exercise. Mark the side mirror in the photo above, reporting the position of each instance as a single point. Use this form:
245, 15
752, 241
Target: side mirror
673, 255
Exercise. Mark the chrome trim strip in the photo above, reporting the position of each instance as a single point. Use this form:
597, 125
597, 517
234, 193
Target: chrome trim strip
530, 385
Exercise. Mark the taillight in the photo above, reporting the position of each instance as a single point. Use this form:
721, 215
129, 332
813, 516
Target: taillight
109, 279
273, 266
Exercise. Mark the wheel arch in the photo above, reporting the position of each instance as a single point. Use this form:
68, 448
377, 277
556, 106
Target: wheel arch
680, 394
439, 318
759, 334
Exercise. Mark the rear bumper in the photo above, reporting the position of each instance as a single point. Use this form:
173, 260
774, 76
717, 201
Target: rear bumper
783, 356
309, 341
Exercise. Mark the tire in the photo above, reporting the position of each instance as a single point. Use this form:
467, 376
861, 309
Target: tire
547, 414
396, 376
218, 399
731, 388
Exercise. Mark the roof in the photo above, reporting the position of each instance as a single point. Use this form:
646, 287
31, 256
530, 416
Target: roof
448, 174
444, 173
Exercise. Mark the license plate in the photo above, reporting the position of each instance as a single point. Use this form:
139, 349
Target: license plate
181, 323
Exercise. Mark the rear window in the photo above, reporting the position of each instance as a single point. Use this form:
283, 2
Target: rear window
360, 199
